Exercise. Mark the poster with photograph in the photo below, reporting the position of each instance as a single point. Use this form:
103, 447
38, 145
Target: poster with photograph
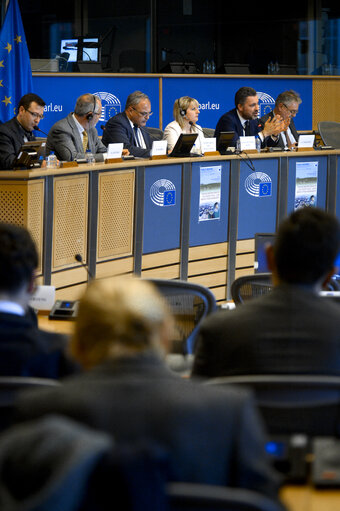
306, 184
210, 193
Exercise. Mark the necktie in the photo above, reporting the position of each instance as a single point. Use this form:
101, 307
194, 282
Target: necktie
135, 129
247, 128
289, 144
85, 140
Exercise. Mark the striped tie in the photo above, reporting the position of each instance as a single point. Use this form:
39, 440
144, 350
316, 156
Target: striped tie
85, 140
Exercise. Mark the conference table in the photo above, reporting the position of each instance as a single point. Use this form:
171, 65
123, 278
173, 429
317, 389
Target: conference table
154, 217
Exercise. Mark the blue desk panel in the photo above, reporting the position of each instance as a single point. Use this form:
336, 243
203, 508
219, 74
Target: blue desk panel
257, 198
162, 208
321, 179
216, 96
212, 230
337, 211
61, 92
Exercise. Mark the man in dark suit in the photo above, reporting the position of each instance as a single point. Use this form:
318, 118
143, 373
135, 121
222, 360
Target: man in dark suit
18, 130
292, 329
287, 106
212, 436
128, 127
71, 137
25, 350
243, 120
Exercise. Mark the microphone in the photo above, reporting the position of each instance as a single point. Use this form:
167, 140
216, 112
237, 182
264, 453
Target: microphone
195, 126
79, 259
38, 129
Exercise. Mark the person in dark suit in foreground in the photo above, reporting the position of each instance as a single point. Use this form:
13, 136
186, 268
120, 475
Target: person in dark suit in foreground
129, 128
287, 106
243, 120
292, 329
212, 436
25, 350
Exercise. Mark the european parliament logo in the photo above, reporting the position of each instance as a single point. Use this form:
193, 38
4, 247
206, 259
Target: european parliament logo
163, 193
258, 184
110, 105
266, 103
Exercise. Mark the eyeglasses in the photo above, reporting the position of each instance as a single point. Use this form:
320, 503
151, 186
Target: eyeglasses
143, 114
293, 112
35, 115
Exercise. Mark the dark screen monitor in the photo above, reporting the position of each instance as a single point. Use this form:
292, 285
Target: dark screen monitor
184, 145
225, 140
261, 240
90, 49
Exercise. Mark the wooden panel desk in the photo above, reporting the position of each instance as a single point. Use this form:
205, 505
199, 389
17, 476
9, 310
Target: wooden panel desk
100, 212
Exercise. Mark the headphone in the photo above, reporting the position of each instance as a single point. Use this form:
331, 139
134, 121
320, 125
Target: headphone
182, 112
90, 115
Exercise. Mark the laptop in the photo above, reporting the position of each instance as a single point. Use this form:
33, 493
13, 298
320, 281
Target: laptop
225, 141
261, 240
184, 145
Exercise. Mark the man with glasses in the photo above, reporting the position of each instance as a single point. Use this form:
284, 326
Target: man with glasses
129, 126
72, 136
20, 129
287, 106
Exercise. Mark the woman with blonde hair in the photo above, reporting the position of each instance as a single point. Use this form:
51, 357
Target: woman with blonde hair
186, 112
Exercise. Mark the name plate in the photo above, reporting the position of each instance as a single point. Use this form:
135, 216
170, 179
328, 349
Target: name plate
247, 143
209, 145
159, 148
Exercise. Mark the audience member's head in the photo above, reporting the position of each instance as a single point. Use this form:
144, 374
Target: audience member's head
119, 317
138, 108
18, 261
88, 109
306, 247
30, 111
247, 102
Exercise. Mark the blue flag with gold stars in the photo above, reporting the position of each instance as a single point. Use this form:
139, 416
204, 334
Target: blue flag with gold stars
15, 66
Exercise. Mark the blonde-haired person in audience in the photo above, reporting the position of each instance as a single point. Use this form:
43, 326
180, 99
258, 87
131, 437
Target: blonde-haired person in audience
186, 112
211, 435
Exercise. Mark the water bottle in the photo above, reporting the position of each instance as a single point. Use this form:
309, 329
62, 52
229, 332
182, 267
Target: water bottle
258, 144
238, 145
213, 66
51, 162
90, 159
208, 68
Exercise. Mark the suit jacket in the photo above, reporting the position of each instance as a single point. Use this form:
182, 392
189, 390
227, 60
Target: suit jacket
118, 129
211, 435
65, 140
25, 350
289, 331
281, 142
230, 122
11, 139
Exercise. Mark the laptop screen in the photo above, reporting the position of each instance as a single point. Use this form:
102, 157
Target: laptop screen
261, 240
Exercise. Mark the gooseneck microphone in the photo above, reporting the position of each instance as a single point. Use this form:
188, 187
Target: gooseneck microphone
38, 129
79, 259
195, 126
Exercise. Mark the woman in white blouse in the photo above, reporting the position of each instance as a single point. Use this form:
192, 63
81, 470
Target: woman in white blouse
186, 112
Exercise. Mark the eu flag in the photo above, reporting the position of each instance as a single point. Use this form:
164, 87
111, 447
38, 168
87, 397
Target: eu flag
15, 66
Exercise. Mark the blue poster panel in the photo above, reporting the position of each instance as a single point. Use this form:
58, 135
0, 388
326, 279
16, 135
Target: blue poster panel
209, 203
338, 188
162, 208
60, 94
216, 96
257, 197
307, 182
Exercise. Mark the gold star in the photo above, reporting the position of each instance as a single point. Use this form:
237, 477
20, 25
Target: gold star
18, 39
7, 100
8, 47
2, 63
1, 83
